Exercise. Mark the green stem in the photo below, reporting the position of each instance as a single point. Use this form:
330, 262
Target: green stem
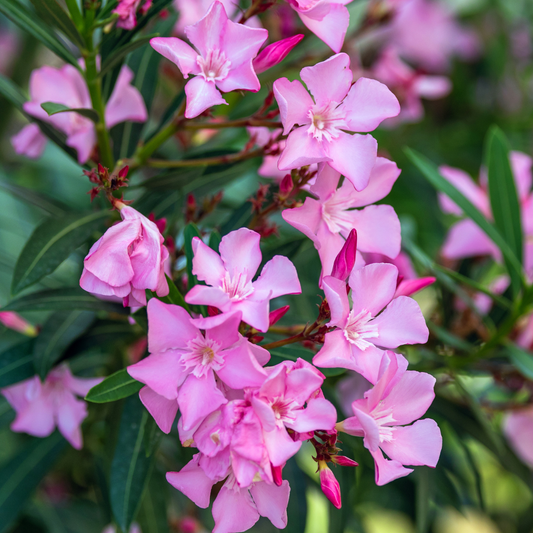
75, 13
144, 152
241, 123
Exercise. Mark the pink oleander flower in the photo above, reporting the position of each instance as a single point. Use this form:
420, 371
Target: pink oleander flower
235, 508
375, 322
229, 278
128, 259
14, 321
518, 428
191, 12
408, 85
345, 260
337, 106
291, 398
327, 19
426, 33
127, 12
465, 238
134, 528
328, 219
398, 398
66, 86
329, 484
222, 60
40, 407
185, 365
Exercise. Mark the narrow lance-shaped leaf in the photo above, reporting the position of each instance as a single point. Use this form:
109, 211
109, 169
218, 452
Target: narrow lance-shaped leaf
57, 333
53, 109
503, 197
131, 467
51, 243
521, 359
16, 363
115, 387
123, 51
189, 233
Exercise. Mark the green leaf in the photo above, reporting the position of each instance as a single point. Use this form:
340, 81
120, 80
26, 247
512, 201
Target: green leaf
53, 109
16, 363
504, 198
53, 13
293, 352
168, 114
153, 512
174, 296
214, 240
22, 474
115, 387
63, 299
10, 91
130, 468
57, 333
28, 21
189, 233
174, 180
123, 51
424, 491
51, 243
431, 172
521, 359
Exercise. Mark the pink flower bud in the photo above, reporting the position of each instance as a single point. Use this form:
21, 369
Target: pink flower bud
275, 53
277, 314
276, 475
345, 260
410, 286
286, 185
344, 461
15, 322
329, 484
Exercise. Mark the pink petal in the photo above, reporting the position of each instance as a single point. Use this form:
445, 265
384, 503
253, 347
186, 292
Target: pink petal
306, 218
278, 277
177, 51
271, 501
328, 245
163, 411
90, 283
335, 290
275, 53
326, 182
208, 33
368, 103
466, 239
419, 444
294, 103
354, 156
234, 511
383, 176
146, 258
36, 418
280, 446
201, 95
240, 252
410, 286
329, 80
387, 471
518, 428
225, 331
319, 414
206, 264
336, 352
368, 424
126, 102
83, 141
80, 386
373, 287
241, 78
242, 43
192, 481
214, 296
432, 87
332, 28
301, 383
521, 167
241, 369
29, 141
302, 149
70, 414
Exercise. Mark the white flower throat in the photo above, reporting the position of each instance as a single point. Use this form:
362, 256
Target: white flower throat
203, 356
215, 66
237, 287
359, 328
326, 121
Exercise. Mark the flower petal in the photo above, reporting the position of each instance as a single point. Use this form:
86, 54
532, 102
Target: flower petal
201, 95
271, 501
192, 481
294, 103
163, 410
179, 52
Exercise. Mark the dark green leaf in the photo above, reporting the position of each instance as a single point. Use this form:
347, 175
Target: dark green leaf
293, 352
174, 295
51, 243
104, 334
57, 333
240, 218
153, 512
431, 172
130, 468
118, 55
53, 13
11, 92
174, 180
214, 240
28, 21
521, 359
189, 233
16, 363
63, 299
115, 387
21, 476
504, 198
53, 109
424, 491
168, 114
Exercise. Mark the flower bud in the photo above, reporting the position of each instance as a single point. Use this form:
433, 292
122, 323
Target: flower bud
286, 185
277, 314
407, 287
276, 475
343, 461
345, 260
275, 53
329, 484
15, 322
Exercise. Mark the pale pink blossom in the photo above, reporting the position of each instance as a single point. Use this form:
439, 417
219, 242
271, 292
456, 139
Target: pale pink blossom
66, 86
134, 528
185, 365
518, 428
128, 259
398, 398
229, 278
375, 322
40, 407
127, 12
329, 219
337, 106
409, 85
327, 19
222, 60
290, 398
14, 321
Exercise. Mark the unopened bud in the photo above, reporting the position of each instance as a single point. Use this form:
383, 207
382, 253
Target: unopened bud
277, 475
410, 286
277, 314
343, 461
123, 172
275, 53
13, 321
286, 185
329, 484
345, 260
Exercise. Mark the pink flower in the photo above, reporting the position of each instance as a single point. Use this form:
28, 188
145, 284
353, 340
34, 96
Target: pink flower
185, 364
345, 260
376, 320
398, 398
465, 238
229, 278
134, 528
329, 484
328, 220
408, 85
14, 321
223, 60
337, 106
66, 86
327, 19
275, 53
192, 12
40, 407
128, 259
127, 12
518, 428
280, 404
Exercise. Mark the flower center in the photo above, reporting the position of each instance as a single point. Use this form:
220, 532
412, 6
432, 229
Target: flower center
283, 410
215, 66
237, 287
383, 418
358, 329
326, 121
335, 213
203, 356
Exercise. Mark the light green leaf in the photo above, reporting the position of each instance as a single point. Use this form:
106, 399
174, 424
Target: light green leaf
115, 387
53, 109
190, 232
521, 359
116, 57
